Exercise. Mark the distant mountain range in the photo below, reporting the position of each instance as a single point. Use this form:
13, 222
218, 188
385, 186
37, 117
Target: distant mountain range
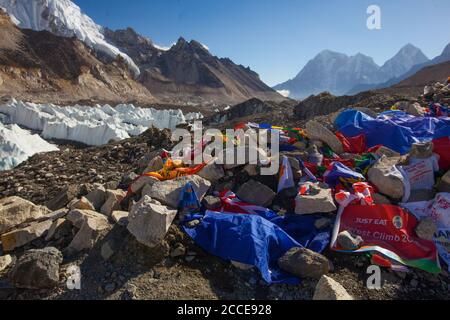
340, 74
187, 73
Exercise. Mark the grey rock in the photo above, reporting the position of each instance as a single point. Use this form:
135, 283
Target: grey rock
97, 197
386, 177
426, 229
328, 289
149, 222
317, 131
20, 237
256, 193
168, 192
212, 172
349, 242
63, 198
37, 269
212, 203
304, 263
15, 211
320, 200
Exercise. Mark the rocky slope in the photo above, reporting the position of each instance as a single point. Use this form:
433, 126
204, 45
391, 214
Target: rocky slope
39, 66
189, 72
63, 18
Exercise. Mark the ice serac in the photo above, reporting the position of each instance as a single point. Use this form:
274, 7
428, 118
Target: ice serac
63, 18
93, 126
17, 145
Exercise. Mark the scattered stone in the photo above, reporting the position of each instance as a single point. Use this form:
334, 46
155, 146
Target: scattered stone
168, 192
328, 289
212, 172
149, 222
97, 197
387, 178
83, 204
256, 193
20, 237
112, 203
317, 131
5, 261
426, 229
120, 217
15, 211
37, 269
63, 198
304, 263
212, 203
319, 200
178, 251
349, 242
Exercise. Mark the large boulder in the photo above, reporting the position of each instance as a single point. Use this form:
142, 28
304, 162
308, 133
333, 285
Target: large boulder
317, 131
90, 224
212, 172
387, 178
328, 289
112, 203
83, 204
149, 222
15, 211
20, 237
304, 263
256, 193
97, 197
37, 269
168, 192
63, 198
319, 200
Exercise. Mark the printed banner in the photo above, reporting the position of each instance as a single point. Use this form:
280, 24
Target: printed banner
389, 230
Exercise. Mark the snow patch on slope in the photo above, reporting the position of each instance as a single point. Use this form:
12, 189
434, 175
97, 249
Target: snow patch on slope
93, 126
17, 145
63, 18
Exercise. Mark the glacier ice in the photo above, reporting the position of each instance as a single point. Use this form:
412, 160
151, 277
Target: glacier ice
17, 145
63, 18
93, 126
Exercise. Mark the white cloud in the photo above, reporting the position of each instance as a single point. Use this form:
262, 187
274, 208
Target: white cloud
284, 93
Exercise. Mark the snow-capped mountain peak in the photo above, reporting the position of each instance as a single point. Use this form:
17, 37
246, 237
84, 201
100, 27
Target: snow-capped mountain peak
63, 18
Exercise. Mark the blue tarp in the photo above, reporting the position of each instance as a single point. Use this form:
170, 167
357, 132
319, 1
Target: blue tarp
394, 129
253, 240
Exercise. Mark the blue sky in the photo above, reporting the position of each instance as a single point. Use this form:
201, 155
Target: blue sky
276, 38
